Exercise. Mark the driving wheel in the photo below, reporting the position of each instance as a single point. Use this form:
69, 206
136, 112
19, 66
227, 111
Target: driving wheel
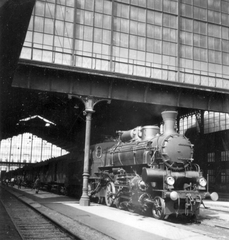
109, 194
158, 209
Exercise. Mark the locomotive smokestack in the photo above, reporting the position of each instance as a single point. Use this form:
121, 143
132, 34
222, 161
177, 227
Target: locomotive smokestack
169, 118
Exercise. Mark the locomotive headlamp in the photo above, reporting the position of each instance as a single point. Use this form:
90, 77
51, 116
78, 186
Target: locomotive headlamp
202, 181
170, 180
174, 195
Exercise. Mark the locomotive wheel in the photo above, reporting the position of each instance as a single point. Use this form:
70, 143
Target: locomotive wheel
109, 194
158, 209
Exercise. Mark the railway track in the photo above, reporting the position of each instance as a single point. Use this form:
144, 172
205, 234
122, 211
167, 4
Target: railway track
30, 224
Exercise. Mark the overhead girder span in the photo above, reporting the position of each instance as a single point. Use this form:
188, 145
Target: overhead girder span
87, 83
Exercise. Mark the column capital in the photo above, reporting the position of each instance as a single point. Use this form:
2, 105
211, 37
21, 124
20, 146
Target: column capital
89, 102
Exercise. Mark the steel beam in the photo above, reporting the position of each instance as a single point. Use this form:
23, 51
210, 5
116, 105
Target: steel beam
86, 83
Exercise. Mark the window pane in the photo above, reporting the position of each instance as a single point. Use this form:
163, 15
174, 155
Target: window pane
106, 36
48, 39
134, 13
99, 5
88, 18
50, 10
141, 43
98, 35
59, 28
60, 12
40, 8
125, 25
141, 29
69, 14
107, 22
49, 26
158, 18
133, 42
39, 23
133, 27
186, 10
98, 20
88, 33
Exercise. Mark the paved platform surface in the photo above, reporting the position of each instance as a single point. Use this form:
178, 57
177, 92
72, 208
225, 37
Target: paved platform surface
92, 222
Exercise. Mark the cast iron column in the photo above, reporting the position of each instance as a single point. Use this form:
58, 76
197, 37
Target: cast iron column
85, 200
89, 103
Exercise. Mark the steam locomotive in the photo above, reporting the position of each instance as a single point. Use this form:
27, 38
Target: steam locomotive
141, 171
148, 171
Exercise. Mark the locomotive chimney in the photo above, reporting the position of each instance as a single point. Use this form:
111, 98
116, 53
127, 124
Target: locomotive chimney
169, 118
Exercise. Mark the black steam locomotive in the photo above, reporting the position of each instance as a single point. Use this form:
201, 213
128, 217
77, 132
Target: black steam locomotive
150, 172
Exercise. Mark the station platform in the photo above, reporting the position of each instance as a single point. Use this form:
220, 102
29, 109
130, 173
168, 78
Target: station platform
105, 223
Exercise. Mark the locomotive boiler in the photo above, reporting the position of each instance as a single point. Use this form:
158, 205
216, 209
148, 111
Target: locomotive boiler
148, 171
